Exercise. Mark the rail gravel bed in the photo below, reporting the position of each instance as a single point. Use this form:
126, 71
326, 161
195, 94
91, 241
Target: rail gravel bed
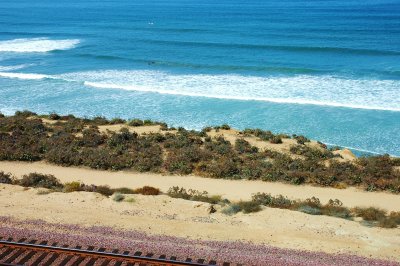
221, 251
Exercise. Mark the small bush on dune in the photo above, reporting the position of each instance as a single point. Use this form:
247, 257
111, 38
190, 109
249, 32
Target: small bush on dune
135, 123
279, 201
241, 206
99, 121
192, 194
231, 209
147, 190
25, 113
40, 180
54, 116
118, 197
116, 121
124, 190
276, 140
72, 187
370, 214
243, 146
206, 129
335, 208
301, 139
104, 190
387, 222
249, 206
310, 210
395, 216
225, 127
5, 178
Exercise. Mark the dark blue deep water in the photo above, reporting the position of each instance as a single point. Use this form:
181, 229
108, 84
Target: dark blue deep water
329, 69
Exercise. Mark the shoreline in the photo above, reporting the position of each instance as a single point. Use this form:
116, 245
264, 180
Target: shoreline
230, 189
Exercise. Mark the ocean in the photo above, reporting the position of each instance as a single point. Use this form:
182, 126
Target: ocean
327, 69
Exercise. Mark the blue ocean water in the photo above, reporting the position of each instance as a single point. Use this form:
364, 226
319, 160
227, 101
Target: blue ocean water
326, 69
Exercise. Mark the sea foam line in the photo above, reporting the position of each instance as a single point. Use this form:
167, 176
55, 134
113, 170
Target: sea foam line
37, 45
301, 89
26, 76
242, 98
15, 67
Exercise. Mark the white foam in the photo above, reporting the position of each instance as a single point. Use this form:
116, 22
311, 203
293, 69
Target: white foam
36, 45
303, 89
16, 67
26, 76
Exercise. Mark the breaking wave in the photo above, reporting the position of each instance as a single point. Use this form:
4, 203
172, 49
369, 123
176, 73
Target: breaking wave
300, 89
37, 45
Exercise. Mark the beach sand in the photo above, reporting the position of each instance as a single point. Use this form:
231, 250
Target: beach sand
163, 215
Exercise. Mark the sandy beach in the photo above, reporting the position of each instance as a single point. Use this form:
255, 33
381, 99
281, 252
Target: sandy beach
163, 215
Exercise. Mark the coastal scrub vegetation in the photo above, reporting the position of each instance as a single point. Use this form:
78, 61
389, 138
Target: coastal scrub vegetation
371, 216
195, 195
5, 178
72, 141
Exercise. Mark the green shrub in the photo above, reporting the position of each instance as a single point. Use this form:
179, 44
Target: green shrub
243, 206
370, 214
207, 129
301, 139
104, 190
395, 216
92, 137
25, 113
310, 210
311, 153
231, 209
195, 195
249, 206
147, 190
225, 127
54, 116
388, 222
243, 146
276, 140
135, 123
5, 178
124, 190
72, 186
40, 180
279, 201
116, 121
335, 208
118, 197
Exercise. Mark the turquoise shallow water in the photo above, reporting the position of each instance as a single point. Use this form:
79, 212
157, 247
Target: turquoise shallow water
326, 69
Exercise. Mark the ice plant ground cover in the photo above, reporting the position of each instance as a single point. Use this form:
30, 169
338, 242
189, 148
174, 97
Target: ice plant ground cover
237, 252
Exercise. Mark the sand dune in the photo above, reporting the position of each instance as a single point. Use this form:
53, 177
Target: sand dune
162, 215
230, 189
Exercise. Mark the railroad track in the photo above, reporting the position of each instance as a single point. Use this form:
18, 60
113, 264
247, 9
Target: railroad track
33, 252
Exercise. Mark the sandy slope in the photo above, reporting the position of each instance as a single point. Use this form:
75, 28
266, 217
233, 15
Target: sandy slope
231, 189
176, 217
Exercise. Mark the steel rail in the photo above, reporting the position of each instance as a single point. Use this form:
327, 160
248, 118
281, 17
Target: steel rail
142, 260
